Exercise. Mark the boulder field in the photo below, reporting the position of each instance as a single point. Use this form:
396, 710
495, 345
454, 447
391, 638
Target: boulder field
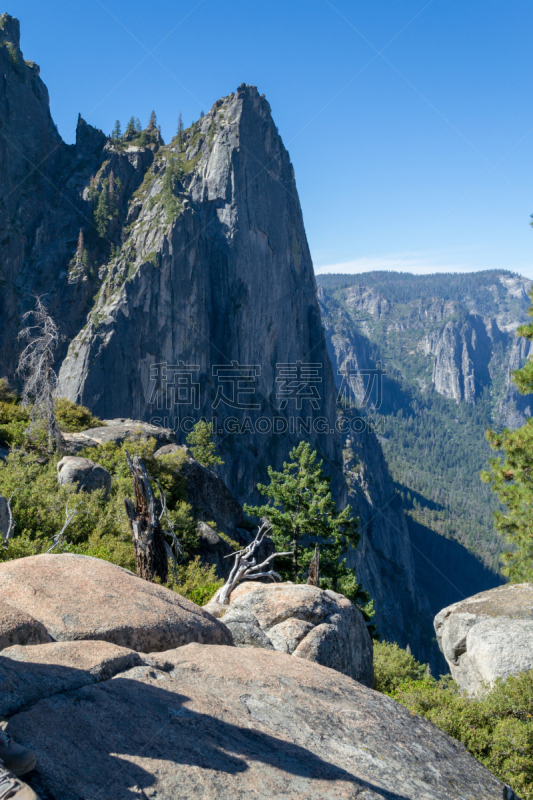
303, 621
197, 717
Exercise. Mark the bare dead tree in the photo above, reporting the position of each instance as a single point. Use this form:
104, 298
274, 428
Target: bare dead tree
314, 568
69, 516
6, 536
151, 556
175, 549
247, 568
36, 367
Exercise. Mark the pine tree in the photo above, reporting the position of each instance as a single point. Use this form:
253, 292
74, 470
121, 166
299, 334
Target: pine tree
203, 448
117, 132
152, 122
510, 478
138, 127
202, 115
101, 213
130, 127
304, 517
180, 132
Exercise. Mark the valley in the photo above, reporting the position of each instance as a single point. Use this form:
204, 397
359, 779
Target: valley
447, 346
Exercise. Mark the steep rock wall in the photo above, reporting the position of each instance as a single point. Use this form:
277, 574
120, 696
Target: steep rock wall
228, 281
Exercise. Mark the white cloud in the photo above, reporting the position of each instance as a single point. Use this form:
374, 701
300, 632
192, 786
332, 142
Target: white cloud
396, 263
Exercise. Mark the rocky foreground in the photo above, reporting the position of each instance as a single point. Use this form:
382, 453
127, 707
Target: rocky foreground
197, 717
488, 636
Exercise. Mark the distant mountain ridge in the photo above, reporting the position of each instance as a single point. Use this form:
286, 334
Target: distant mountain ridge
448, 346
467, 321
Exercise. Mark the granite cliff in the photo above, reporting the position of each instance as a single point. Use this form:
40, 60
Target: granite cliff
183, 282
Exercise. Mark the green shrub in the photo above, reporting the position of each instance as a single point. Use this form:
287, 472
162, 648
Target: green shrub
393, 666
203, 448
497, 727
14, 419
101, 527
73, 418
7, 395
197, 582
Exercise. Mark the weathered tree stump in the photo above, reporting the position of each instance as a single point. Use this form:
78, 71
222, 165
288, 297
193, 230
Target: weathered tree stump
151, 559
314, 568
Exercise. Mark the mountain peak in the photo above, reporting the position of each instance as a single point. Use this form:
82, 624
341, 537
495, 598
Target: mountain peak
10, 27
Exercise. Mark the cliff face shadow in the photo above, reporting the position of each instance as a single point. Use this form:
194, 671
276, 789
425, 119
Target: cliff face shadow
447, 571
123, 737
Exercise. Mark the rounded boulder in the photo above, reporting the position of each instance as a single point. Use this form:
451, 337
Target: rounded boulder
84, 473
80, 597
304, 621
488, 636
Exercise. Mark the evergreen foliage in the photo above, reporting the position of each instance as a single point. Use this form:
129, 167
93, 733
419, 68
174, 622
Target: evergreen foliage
523, 378
152, 122
393, 666
101, 528
496, 728
73, 418
130, 127
117, 131
402, 287
198, 582
510, 478
106, 207
435, 447
303, 515
171, 204
102, 211
180, 132
7, 395
203, 448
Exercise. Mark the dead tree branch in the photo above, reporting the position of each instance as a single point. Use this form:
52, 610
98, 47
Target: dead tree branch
11, 524
151, 555
247, 568
69, 516
174, 550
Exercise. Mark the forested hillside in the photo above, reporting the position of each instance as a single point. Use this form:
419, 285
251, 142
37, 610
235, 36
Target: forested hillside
447, 344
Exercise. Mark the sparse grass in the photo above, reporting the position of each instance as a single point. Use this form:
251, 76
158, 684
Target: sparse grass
189, 166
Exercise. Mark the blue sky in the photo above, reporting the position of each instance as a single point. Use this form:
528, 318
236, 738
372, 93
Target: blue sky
409, 124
